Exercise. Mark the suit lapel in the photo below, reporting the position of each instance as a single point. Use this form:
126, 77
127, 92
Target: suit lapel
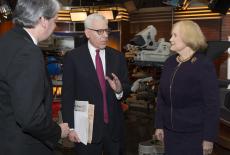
108, 63
90, 69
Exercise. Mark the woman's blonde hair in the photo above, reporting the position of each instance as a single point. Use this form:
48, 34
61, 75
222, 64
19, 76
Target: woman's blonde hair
191, 34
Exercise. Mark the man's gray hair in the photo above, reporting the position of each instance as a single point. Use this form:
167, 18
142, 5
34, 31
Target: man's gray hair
28, 12
93, 17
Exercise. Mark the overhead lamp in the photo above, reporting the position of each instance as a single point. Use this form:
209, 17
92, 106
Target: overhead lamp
107, 14
185, 4
78, 16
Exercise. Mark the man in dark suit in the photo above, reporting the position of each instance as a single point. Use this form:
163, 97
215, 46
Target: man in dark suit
82, 80
26, 126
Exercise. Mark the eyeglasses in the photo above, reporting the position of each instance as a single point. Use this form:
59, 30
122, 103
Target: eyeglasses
101, 31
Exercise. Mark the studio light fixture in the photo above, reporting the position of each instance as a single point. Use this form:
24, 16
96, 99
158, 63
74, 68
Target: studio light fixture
78, 16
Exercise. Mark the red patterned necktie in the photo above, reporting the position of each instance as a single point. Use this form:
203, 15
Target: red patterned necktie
101, 78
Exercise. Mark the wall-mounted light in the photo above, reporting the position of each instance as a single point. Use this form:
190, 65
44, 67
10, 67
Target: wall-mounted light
80, 13
78, 16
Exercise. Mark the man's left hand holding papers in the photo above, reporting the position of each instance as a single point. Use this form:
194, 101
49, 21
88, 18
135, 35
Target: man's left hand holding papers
73, 137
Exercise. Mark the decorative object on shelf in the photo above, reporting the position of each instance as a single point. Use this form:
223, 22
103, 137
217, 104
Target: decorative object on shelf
5, 11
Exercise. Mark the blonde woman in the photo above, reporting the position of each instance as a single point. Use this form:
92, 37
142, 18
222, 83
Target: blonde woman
187, 102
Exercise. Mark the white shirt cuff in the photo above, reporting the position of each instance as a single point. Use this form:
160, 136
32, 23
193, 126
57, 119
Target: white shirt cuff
119, 96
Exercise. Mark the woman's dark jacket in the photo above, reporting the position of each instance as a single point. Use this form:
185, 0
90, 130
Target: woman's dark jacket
188, 97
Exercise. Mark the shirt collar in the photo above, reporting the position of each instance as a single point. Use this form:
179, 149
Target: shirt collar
92, 49
34, 40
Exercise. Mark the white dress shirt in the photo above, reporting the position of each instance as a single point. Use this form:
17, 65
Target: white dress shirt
92, 51
34, 40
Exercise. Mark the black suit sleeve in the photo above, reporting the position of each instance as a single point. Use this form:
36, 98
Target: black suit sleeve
27, 79
209, 86
68, 90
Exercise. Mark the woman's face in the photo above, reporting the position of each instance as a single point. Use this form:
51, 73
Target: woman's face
177, 44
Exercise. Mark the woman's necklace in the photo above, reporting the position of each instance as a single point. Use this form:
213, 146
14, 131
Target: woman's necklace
180, 60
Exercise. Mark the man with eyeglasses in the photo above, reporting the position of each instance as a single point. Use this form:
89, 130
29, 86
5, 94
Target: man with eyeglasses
96, 73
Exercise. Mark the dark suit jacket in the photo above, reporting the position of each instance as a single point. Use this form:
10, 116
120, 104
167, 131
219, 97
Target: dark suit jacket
192, 103
26, 126
80, 82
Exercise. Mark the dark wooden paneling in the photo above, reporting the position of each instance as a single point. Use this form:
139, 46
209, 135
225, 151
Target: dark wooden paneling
211, 28
225, 27
125, 34
6, 26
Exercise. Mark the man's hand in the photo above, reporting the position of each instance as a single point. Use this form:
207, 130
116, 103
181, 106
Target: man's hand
159, 133
64, 129
114, 83
207, 147
73, 137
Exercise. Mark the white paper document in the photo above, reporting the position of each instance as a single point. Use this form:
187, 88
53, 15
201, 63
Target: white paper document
83, 121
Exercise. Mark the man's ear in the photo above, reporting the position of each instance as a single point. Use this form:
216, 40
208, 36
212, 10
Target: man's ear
87, 33
43, 22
